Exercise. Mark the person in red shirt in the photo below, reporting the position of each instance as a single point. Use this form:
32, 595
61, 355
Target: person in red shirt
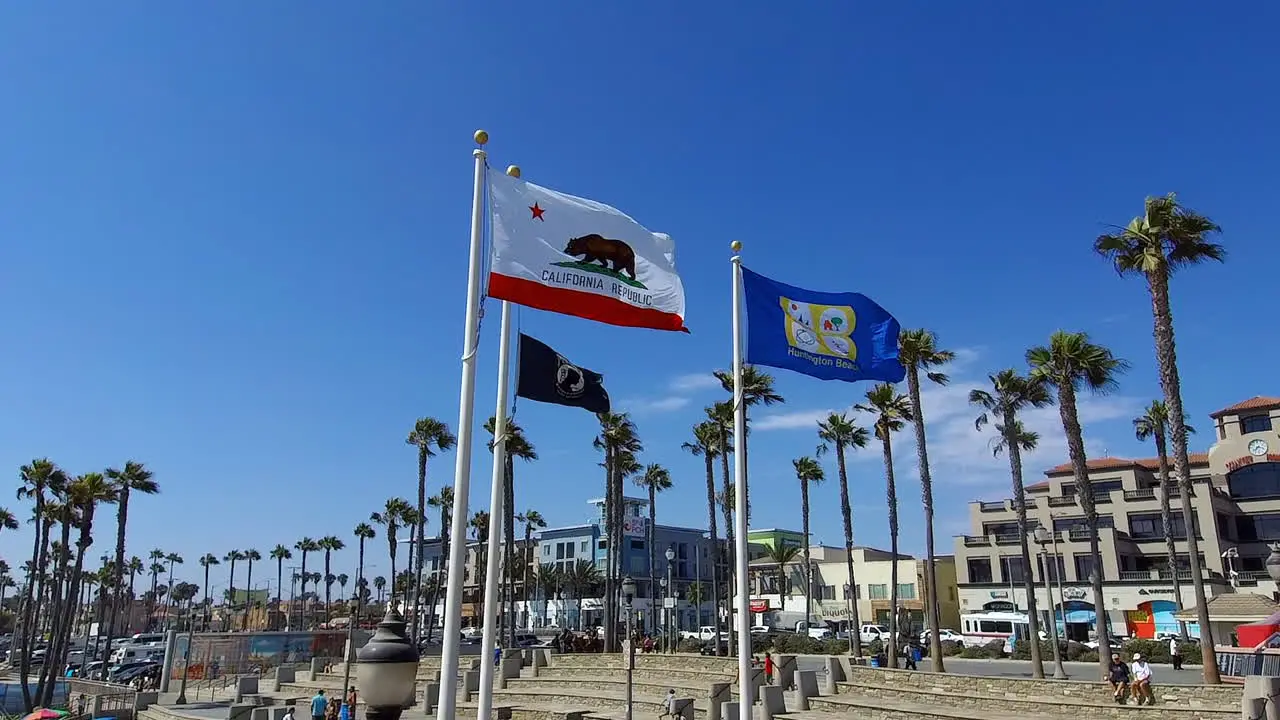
768, 668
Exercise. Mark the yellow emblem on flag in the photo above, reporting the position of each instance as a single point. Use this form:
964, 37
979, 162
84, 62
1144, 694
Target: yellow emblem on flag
821, 329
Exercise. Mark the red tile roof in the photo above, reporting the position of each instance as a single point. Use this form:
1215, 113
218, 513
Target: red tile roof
1257, 402
1037, 486
1113, 463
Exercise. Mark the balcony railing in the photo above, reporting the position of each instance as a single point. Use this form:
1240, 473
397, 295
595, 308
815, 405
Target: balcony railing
1008, 539
976, 541
1137, 575
1150, 494
1062, 501
993, 506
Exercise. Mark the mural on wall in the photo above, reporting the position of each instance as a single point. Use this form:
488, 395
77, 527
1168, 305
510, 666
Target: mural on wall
216, 654
1155, 617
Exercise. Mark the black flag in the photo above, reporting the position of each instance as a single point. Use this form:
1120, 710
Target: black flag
546, 376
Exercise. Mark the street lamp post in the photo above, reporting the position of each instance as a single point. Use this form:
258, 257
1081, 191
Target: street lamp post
387, 666
666, 614
628, 593
671, 593
186, 663
1042, 536
353, 619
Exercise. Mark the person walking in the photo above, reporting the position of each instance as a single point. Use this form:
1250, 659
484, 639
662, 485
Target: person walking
768, 668
669, 704
1174, 654
1118, 676
319, 703
288, 712
1142, 680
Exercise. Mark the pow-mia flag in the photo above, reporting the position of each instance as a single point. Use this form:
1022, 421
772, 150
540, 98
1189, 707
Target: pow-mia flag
547, 376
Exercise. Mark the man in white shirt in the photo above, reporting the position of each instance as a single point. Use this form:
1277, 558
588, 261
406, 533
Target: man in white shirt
1142, 680
1174, 654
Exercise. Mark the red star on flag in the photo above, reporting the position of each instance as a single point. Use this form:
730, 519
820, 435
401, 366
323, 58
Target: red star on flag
537, 212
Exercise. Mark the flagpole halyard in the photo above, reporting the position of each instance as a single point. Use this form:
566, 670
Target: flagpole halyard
745, 688
497, 513
462, 465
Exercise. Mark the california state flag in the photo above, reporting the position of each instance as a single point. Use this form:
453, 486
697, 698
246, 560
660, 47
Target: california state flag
575, 256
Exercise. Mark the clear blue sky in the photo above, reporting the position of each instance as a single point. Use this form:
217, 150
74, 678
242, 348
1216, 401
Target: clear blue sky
233, 235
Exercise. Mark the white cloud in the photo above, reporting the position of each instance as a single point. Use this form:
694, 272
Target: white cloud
679, 392
657, 405
693, 382
793, 420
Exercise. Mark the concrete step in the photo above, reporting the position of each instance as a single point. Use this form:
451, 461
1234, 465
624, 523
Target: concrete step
594, 700
983, 707
614, 683
653, 673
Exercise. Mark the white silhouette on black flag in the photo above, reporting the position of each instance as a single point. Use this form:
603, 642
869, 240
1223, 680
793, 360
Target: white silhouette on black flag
547, 376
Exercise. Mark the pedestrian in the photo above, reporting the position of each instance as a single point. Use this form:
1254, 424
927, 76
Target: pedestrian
1118, 676
288, 712
319, 703
768, 668
1174, 654
909, 657
497, 656
669, 704
332, 710
1142, 680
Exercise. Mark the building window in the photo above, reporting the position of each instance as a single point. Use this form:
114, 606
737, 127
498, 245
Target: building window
1084, 566
1259, 480
1066, 524
546, 550
906, 591
1263, 526
828, 592
878, 592
1099, 487
1150, 525
1011, 568
857, 593
1255, 423
637, 544
1055, 567
559, 551
980, 570
584, 547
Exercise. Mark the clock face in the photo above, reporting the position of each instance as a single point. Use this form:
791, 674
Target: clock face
1258, 447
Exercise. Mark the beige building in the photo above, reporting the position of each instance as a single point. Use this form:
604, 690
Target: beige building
1236, 509
783, 603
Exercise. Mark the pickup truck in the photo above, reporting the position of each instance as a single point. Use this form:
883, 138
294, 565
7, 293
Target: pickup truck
874, 632
706, 632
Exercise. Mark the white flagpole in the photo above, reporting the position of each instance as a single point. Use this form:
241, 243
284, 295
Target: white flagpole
462, 465
746, 692
497, 515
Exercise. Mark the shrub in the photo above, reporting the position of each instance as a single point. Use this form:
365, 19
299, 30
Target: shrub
1022, 650
797, 644
835, 647
951, 647
689, 645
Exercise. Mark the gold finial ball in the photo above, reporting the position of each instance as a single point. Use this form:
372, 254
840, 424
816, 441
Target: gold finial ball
513, 171
736, 246
481, 137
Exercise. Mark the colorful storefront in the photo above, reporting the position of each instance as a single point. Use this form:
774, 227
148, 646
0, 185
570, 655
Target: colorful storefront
1155, 617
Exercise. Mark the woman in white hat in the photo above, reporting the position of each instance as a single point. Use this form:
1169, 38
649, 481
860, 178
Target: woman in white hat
1142, 680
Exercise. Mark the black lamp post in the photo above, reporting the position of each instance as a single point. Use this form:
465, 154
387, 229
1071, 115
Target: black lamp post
387, 668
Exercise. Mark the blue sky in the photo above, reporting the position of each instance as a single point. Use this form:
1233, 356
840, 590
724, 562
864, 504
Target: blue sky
233, 235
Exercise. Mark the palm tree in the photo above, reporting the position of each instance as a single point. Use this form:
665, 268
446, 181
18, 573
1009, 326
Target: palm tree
722, 415
620, 443
757, 389
807, 471
1166, 238
549, 582
391, 517
134, 477
172, 559
532, 520
279, 553
706, 444
362, 532
232, 557
329, 544
380, 584
1153, 424
918, 351
250, 557
39, 479
892, 411
582, 579
655, 479
839, 431
430, 436
136, 566
1069, 363
305, 546
784, 556
1009, 395
517, 446
207, 561
442, 501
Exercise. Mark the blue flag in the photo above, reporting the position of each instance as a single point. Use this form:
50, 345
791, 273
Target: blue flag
831, 336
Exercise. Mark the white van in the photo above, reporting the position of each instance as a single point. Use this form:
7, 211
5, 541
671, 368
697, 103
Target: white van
135, 653
147, 639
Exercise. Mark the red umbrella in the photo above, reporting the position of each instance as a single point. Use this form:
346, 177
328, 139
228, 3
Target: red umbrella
46, 714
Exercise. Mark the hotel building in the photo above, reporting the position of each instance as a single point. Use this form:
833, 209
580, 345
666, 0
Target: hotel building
1236, 514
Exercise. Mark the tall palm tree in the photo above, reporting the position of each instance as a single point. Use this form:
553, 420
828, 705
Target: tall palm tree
807, 471
39, 479
134, 477
329, 544
517, 446
136, 566
232, 557
380, 584
919, 353
757, 389
480, 527
363, 531
430, 436
582, 579
619, 441
655, 479
391, 518
1153, 424
532, 520
279, 553
172, 559
892, 411
1009, 395
549, 582
207, 561
443, 502
706, 444
838, 431
7, 520
1071, 362
783, 556
251, 556
1169, 237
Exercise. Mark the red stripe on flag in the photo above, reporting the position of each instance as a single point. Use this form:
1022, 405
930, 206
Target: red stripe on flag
590, 306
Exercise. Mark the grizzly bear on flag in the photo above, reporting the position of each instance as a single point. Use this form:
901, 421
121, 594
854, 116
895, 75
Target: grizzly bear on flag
595, 247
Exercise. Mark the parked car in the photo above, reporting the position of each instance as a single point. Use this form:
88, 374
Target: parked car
706, 632
945, 636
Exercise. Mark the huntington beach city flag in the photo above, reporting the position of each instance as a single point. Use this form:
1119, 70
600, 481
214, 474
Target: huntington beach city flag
578, 257
832, 336
547, 376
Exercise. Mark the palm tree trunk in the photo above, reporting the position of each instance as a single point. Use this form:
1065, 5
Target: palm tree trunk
1166, 522
891, 495
1028, 581
653, 558
442, 572
610, 584
715, 549
420, 535
1171, 383
933, 617
509, 540
248, 595
1084, 491
727, 510
527, 560
807, 570
205, 622
116, 607
855, 624
279, 594
32, 591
